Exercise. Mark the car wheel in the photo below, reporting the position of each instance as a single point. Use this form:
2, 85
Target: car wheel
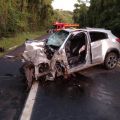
111, 60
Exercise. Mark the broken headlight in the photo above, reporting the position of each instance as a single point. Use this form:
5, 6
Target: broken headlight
43, 67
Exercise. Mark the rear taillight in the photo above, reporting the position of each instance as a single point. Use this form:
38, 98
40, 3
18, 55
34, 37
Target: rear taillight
118, 39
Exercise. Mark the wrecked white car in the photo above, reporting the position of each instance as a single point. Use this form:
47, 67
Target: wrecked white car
69, 51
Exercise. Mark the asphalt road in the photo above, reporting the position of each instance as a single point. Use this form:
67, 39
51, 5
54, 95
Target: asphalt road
12, 86
93, 94
12, 89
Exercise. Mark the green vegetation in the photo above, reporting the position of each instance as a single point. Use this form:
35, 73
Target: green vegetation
18, 40
21, 19
63, 16
100, 13
28, 15
24, 15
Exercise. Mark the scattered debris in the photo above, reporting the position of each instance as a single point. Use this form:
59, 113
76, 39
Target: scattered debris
10, 75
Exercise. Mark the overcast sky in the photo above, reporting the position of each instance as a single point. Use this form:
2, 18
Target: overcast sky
64, 4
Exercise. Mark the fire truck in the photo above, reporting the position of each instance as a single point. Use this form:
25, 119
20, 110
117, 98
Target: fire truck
57, 26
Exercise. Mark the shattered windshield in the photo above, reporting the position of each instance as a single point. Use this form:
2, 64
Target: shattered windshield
57, 39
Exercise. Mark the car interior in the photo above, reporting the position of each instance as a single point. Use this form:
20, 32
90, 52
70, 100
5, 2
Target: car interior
76, 49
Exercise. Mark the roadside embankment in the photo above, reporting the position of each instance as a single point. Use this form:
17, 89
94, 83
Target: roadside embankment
11, 43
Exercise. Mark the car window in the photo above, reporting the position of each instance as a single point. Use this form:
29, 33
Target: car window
95, 36
57, 38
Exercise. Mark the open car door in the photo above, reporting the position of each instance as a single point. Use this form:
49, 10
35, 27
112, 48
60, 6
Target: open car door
77, 59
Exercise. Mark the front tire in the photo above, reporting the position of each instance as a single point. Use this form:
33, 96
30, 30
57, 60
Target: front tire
111, 61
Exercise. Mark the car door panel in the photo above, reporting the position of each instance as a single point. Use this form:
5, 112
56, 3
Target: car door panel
96, 50
79, 66
96, 45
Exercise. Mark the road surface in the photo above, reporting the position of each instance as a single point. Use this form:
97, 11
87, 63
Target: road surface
93, 94
12, 86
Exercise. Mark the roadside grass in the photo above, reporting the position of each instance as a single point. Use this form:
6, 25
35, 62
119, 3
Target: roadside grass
18, 40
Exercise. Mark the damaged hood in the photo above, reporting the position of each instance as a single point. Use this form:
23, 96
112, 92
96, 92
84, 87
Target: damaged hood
34, 52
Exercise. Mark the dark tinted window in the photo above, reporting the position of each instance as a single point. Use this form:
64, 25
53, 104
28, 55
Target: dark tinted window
95, 36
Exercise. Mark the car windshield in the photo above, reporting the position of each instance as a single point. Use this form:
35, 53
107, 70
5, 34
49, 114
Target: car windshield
57, 39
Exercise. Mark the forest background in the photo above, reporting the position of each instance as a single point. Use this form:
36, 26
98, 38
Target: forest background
18, 16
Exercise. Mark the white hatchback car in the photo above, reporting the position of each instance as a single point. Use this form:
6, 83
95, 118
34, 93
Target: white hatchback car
69, 51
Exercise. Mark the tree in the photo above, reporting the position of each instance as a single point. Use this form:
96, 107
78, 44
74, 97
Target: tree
101, 13
24, 15
80, 13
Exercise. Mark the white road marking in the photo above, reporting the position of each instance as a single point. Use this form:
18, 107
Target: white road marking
27, 111
13, 47
9, 56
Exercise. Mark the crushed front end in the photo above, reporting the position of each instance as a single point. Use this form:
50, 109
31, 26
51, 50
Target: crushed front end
43, 58
36, 62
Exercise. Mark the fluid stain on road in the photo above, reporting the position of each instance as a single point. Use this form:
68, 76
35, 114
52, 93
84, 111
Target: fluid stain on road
91, 95
71, 87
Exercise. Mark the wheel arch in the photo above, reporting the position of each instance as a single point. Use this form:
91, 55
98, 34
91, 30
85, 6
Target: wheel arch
112, 50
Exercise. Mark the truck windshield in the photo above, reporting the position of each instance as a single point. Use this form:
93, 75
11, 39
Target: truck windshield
57, 39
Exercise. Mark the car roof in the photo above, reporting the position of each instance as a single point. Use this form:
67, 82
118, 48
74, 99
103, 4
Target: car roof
89, 30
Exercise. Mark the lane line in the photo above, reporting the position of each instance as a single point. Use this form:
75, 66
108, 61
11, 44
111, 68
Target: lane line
13, 47
9, 56
27, 111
